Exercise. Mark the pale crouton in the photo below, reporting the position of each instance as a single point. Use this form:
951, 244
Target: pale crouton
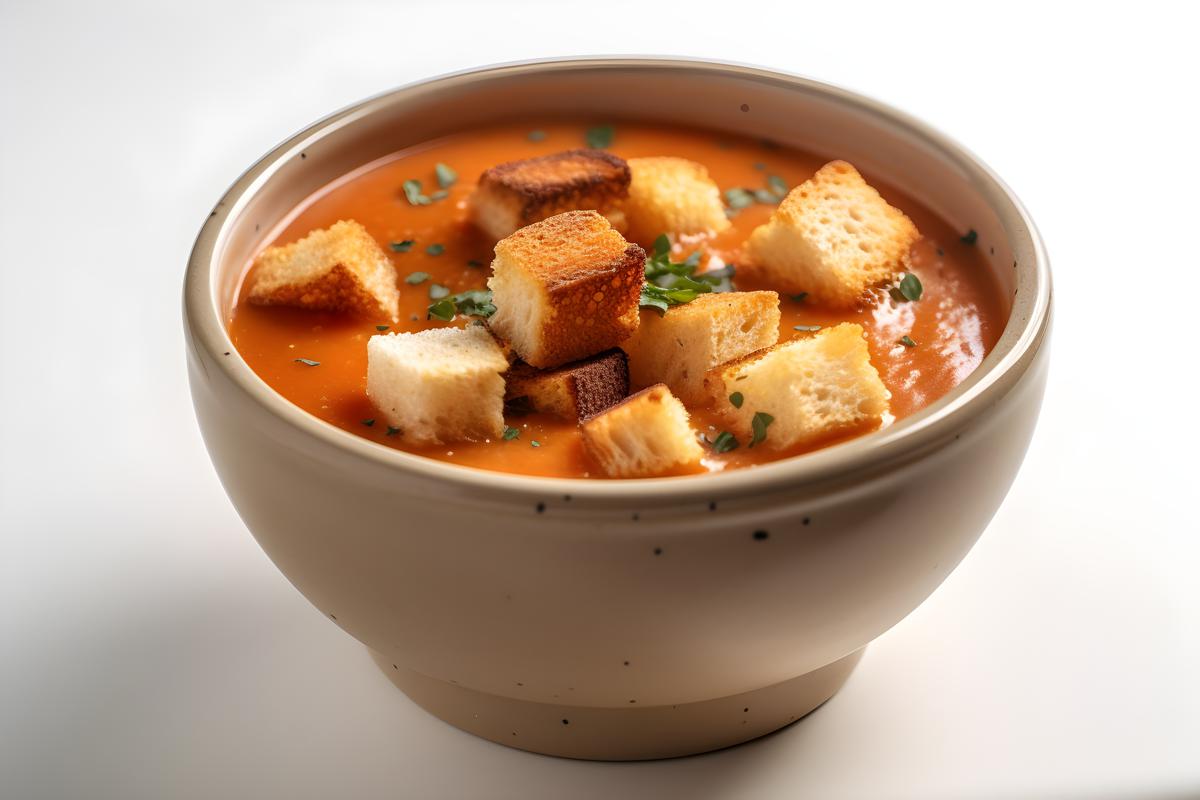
833, 237
340, 268
512, 195
677, 348
645, 435
813, 387
674, 196
439, 385
565, 288
575, 391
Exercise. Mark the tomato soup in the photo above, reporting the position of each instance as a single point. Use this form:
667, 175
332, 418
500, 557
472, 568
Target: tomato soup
318, 360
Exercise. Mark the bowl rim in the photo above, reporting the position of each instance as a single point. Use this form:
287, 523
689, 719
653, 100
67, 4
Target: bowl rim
851, 460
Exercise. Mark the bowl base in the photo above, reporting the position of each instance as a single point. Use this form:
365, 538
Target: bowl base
621, 734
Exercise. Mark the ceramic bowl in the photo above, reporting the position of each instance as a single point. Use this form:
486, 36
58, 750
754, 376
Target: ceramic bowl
620, 619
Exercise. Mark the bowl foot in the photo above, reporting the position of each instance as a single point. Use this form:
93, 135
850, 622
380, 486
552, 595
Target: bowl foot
618, 734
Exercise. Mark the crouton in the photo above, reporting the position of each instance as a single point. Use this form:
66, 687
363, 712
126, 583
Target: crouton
340, 268
645, 435
439, 385
680, 346
813, 387
565, 288
575, 391
512, 195
672, 195
833, 236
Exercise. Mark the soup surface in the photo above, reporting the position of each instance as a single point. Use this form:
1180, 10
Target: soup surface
956, 322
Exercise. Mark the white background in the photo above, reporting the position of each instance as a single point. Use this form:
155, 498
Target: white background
149, 649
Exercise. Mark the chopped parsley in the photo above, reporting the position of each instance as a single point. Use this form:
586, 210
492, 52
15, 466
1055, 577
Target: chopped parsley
402, 247
308, 362
474, 263
437, 291
392, 430
435, 249
737, 199
445, 175
970, 237
671, 284
910, 287
471, 303
600, 136
382, 328
536, 136
736, 399
798, 298
416, 277
806, 328
907, 341
511, 433
724, 442
759, 426
412, 191
369, 422
758, 165
778, 185
535, 443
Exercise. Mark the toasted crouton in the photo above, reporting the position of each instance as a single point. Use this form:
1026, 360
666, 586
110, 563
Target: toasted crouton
340, 268
813, 386
575, 391
645, 435
672, 195
680, 346
833, 237
512, 195
565, 288
439, 385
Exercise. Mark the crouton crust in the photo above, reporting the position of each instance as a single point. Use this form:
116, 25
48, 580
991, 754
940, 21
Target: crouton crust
674, 196
587, 281
517, 193
574, 391
644, 435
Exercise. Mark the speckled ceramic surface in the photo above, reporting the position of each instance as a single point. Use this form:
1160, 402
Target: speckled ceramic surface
647, 613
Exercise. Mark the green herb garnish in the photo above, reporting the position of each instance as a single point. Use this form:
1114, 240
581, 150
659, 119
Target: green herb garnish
798, 298
511, 433
737, 199
910, 287
412, 191
445, 176
443, 309
806, 328
535, 443
536, 136
402, 247
724, 442
416, 277
970, 237
907, 341
440, 194
671, 283
759, 426
778, 185
392, 430
471, 303
368, 422
736, 399
600, 136
437, 291
765, 196
758, 165
474, 263
308, 362
382, 327
435, 249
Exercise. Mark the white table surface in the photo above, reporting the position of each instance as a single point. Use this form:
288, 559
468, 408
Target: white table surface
149, 649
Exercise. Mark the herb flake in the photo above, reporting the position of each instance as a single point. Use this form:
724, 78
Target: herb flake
910, 287
736, 399
724, 442
402, 247
412, 191
392, 430
670, 283
535, 443
600, 137
382, 328
970, 237
445, 175
536, 136
435, 249
308, 362
762, 420
369, 422
511, 433
907, 341
437, 291
471, 303
415, 278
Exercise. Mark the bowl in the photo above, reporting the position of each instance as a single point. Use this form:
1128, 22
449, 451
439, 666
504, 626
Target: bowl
620, 619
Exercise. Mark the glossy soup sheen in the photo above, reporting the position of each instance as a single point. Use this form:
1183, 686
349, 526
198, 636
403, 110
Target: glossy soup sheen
955, 323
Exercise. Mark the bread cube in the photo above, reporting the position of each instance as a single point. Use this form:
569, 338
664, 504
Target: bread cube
677, 348
834, 237
566, 288
673, 196
574, 391
647, 434
512, 195
340, 268
439, 385
814, 387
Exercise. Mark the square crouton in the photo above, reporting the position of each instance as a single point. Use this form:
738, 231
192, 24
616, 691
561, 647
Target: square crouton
339, 268
673, 196
834, 237
813, 387
647, 434
575, 391
440, 385
566, 288
677, 348
512, 195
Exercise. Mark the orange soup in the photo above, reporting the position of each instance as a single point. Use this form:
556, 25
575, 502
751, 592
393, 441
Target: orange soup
318, 359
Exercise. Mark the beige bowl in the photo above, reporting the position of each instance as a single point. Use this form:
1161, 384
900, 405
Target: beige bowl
621, 619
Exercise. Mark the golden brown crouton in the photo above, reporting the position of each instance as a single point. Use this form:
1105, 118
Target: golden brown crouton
512, 195
340, 268
574, 391
833, 237
647, 434
566, 288
673, 196
677, 348
812, 387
